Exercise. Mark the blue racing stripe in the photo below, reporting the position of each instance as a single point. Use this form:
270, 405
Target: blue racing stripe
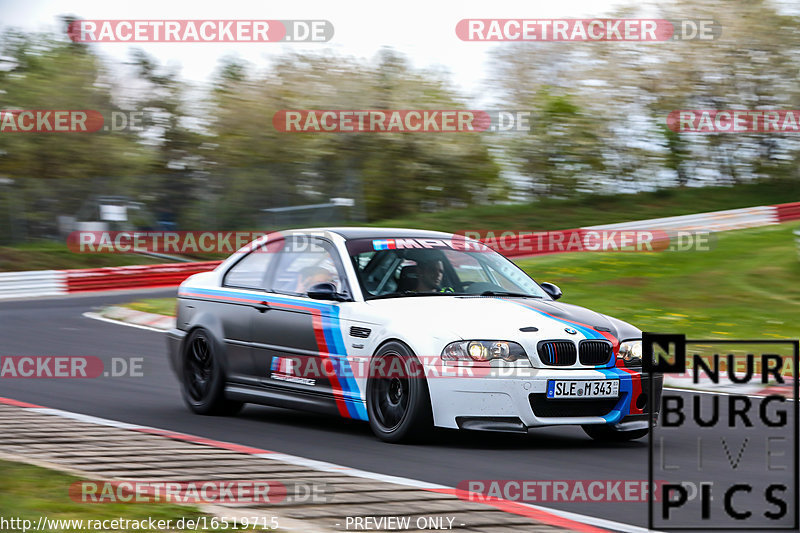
350, 390
623, 407
587, 332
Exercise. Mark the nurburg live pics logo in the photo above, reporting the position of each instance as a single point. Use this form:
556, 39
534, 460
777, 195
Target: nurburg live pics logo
728, 457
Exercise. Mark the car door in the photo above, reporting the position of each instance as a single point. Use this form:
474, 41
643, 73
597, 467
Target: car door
242, 298
298, 344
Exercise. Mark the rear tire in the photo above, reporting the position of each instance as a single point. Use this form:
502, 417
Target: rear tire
607, 433
203, 378
398, 403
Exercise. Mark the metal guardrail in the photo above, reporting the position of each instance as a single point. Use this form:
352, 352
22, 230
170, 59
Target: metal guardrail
59, 282
166, 257
133, 277
32, 283
732, 219
790, 211
748, 217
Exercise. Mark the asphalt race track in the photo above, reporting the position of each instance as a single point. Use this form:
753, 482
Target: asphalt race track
57, 327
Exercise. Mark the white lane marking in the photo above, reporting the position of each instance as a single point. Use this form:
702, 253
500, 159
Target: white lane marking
84, 418
96, 316
332, 467
355, 472
594, 521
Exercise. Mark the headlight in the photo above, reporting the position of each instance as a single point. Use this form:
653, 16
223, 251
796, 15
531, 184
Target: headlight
483, 351
631, 353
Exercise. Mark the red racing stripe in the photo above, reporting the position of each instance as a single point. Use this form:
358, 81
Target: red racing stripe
322, 347
636, 389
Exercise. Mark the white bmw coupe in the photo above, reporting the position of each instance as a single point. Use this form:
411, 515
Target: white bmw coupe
405, 329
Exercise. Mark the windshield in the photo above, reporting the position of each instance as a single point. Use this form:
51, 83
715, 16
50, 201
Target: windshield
389, 268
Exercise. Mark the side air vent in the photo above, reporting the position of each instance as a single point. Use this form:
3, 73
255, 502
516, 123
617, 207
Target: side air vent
362, 333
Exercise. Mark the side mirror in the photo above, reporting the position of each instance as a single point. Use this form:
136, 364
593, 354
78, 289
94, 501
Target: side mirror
325, 291
551, 289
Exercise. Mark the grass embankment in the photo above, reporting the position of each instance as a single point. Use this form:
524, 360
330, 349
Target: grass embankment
589, 210
547, 214
30, 492
159, 306
56, 256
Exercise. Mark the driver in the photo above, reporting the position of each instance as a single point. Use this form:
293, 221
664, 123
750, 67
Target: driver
430, 275
312, 275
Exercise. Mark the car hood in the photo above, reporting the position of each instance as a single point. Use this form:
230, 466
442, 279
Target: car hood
482, 317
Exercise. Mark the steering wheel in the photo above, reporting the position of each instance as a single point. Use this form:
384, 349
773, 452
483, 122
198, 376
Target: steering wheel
478, 287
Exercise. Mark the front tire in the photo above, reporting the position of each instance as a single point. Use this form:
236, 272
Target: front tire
203, 378
398, 401
607, 433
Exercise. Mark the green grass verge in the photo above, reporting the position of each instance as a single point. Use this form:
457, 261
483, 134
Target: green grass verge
29, 492
159, 306
589, 210
56, 256
547, 214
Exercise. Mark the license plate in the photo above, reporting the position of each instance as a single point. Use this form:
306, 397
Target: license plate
585, 388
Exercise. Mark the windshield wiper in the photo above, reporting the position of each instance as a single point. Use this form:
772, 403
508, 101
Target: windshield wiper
507, 293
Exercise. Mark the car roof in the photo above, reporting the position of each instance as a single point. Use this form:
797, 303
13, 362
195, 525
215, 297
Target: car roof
350, 233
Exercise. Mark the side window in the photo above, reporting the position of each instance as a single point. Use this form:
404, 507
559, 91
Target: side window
250, 272
303, 264
376, 271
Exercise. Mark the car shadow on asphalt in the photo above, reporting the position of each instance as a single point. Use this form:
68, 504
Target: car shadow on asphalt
549, 438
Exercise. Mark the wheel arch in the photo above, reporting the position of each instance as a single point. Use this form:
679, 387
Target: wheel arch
408, 347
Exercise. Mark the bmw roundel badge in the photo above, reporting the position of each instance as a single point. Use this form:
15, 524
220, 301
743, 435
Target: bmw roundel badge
571, 331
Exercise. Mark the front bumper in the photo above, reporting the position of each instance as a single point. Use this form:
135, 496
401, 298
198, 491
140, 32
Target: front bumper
519, 402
